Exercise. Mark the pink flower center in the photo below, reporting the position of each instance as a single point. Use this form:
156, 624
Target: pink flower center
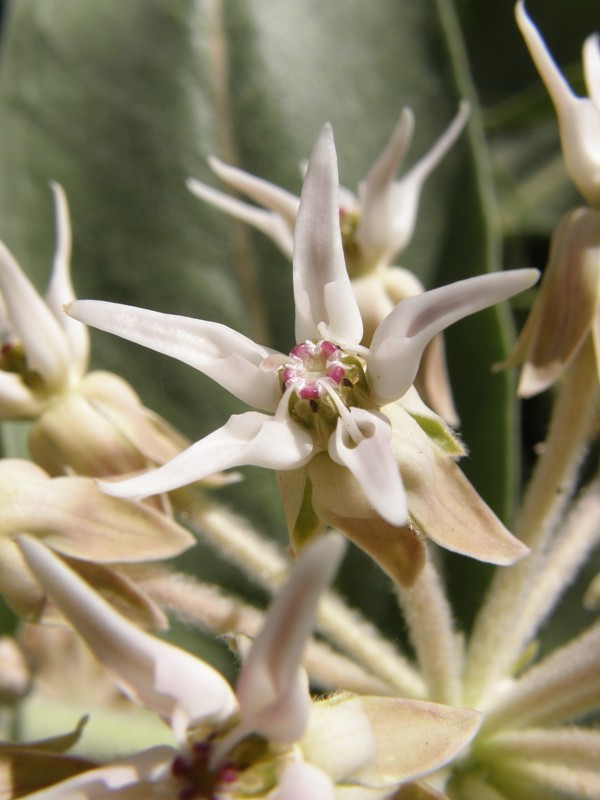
312, 367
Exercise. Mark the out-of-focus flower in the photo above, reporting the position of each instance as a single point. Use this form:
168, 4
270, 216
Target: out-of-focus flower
89, 423
97, 533
566, 312
578, 117
376, 225
43, 353
266, 740
332, 398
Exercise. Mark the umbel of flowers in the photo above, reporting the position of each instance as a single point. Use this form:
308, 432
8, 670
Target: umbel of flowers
352, 444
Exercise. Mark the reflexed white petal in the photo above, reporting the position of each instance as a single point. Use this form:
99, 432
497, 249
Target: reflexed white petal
405, 194
44, 342
228, 357
325, 304
60, 289
579, 119
302, 781
271, 689
591, 67
154, 673
270, 223
400, 340
372, 463
250, 439
129, 779
276, 199
558, 88
374, 192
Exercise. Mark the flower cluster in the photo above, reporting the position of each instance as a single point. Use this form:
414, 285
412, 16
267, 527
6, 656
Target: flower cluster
356, 420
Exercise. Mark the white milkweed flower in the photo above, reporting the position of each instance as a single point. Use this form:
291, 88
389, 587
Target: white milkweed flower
266, 739
331, 396
578, 117
43, 353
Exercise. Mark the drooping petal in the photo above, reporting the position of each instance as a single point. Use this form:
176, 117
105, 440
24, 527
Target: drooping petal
441, 502
578, 118
301, 781
228, 357
374, 192
325, 304
372, 463
154, 673
60, 289
250, 439
272, 692
413, 738
268, 222
400, 340
130, 779
45, 345
80, 521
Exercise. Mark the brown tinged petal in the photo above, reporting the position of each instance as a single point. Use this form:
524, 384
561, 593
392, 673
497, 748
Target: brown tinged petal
324, 493
75, 518
442, 503
565, 310
414, 738
24, 769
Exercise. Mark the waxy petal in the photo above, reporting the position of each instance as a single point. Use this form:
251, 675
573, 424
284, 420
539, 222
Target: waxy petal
413, 738
566, 307
301, 781
389, 208
372, 462
159, 676
400, 340
272, 692
269, 223
578, 118
44, 342
250, 439
228, 357
132, 778
77, 519
282, 202
60, 289
441, 502
374, 193
325, 304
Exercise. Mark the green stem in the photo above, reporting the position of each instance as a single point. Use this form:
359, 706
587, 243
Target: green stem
492, 648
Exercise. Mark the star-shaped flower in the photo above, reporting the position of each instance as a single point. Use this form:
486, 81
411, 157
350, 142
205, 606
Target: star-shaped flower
267, 739
43, 353
578, 117
330, 395
377, 223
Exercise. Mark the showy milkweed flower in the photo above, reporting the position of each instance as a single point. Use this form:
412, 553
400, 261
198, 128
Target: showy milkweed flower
268, 739
578, 117
332, 404
377, 224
